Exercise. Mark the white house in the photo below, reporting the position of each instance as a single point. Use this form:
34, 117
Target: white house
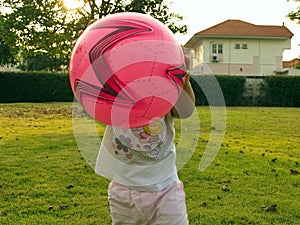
235, 47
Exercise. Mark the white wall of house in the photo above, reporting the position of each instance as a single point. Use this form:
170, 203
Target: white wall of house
241, 56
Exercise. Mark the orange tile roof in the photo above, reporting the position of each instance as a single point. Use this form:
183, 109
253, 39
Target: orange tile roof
291, 63
241, 28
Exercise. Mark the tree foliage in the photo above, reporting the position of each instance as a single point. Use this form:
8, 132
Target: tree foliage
39, 33
41, 27
295, 14
7, 41
159, 9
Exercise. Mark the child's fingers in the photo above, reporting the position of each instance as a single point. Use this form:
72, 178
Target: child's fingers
81, 31
91, 22
74, 43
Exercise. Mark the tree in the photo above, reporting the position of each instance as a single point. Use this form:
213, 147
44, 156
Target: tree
7, 48
295, 15
42, 28
159, 9
45, 29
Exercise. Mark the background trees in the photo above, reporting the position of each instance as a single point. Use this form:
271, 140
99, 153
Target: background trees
42, 30
38, 33
7, 40
295, 14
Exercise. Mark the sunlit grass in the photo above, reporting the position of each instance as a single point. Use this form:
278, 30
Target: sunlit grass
45, 180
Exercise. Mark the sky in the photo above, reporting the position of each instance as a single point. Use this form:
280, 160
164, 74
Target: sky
199, 15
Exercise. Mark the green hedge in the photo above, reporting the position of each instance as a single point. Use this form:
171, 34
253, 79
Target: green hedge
282, 91
34, 87
230, 86
47, 87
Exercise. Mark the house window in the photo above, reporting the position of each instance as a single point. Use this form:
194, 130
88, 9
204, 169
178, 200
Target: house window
220, 48
214, 48
244, 46
217, 48
197, 53
237, 46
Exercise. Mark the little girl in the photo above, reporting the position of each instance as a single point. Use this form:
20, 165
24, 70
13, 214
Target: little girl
145, 188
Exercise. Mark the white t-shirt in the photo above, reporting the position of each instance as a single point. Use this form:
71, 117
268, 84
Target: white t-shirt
142, 158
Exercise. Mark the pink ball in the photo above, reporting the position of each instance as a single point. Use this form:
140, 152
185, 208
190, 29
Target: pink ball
127, 69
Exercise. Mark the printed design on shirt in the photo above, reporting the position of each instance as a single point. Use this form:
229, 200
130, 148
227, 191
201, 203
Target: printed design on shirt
152, 136
123, 143
146, 141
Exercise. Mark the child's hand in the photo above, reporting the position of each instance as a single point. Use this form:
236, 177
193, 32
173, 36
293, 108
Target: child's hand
81, 31
185, 104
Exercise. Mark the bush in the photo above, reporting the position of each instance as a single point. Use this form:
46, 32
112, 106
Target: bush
47, 87
282, 91
231, 86
34, 87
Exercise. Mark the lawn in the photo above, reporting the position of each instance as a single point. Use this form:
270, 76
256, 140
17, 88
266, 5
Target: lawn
44, 179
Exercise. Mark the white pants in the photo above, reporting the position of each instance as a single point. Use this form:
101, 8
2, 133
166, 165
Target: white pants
132, 207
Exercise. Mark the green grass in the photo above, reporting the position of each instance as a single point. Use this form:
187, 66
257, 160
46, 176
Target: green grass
45, 180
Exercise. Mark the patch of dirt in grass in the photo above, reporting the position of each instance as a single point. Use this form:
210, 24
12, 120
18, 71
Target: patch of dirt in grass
35, 110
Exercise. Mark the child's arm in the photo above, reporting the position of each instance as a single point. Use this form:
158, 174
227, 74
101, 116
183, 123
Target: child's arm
185, 104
